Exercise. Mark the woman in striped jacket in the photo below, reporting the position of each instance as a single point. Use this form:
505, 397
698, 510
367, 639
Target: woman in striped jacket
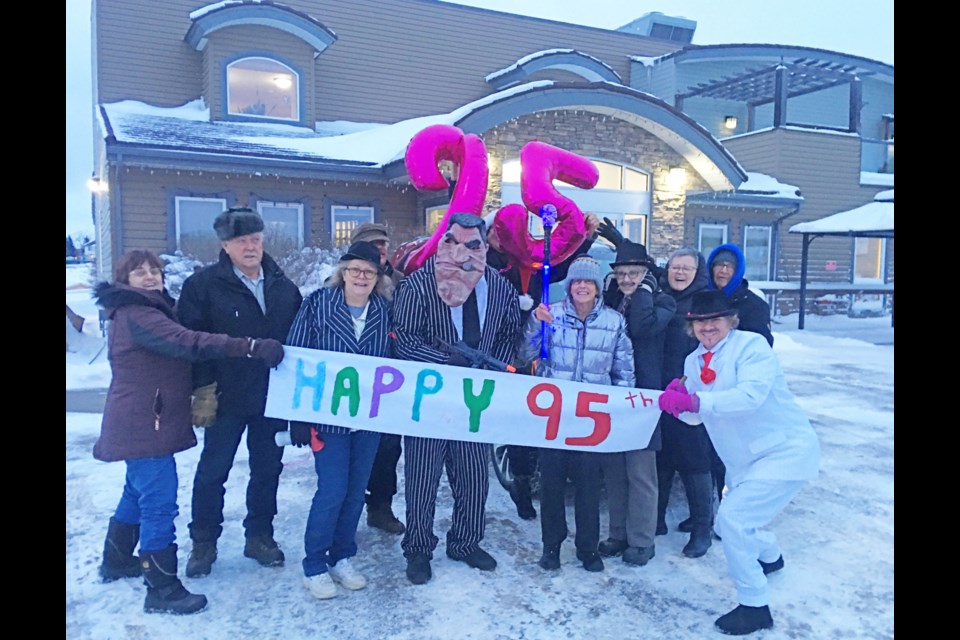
350, 314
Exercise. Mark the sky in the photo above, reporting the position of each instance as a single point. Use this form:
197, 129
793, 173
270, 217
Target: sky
837, 535
858, 27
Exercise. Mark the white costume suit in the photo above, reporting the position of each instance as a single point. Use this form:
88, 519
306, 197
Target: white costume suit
766, 442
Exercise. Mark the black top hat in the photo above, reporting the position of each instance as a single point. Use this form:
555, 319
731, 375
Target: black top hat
363, 250
710, 303
630, 252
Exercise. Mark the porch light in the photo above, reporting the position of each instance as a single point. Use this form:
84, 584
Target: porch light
96, 185
676, 178
730, 122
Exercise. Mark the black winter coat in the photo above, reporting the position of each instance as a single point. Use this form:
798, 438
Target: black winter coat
147, 412
678, 343
215, 300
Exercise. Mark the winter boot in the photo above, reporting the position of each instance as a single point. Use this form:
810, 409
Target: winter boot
380, 516
611, 547
520, 493
165, 592
664, 486
265, 550
699, 488
201, 559
744, 620
591, 561
550, 560
118, 559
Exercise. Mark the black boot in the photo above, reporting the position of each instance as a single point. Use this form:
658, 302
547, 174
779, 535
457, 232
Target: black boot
664, 486
165, 592
520, 493
699, 488
744, 620
550, 560
380, 516
118, 559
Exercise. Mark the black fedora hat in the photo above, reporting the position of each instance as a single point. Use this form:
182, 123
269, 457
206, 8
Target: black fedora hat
363, 250
708, 304
630, 252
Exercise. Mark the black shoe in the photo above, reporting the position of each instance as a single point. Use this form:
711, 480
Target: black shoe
201, 559
686, 526
591, 561
550, 560
118, 559
699, 544
264, 549
770, 567
744, 620
611, 547
661, 528
381, 517
520, 494
478, 559
418, 568
639, 556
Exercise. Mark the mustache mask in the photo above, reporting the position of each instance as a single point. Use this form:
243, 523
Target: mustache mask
461, 261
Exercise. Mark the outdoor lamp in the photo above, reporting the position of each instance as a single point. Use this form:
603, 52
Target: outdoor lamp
730, 122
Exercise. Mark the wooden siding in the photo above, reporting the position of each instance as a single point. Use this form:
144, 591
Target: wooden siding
426, 56
826, 168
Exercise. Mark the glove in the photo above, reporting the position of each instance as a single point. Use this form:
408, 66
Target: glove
649, 282
268, 350
609, 232
676, 402
677, 385
204, 405
457, 359
300, 433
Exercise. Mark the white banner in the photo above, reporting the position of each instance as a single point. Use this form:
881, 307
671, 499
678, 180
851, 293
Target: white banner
457, 403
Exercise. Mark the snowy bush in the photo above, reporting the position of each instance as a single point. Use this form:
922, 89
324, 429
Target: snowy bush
309, 267
178, 268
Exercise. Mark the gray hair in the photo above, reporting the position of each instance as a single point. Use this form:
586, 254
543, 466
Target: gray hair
685, 251
734, 323
469, 221
384, 286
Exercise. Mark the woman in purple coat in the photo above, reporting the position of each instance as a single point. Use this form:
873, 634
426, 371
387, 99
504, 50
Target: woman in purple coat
147, 419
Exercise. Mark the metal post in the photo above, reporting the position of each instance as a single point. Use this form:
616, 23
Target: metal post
803, 278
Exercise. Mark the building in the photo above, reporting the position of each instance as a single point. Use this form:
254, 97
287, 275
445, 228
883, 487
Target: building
303, 111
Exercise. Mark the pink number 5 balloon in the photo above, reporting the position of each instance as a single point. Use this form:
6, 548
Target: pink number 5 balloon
424, 152
542, 164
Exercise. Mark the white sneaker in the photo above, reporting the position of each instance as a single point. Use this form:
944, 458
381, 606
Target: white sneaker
344, 573
320, 586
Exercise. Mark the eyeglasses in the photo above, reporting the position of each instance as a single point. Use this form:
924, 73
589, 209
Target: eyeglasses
729, 266
357, 272
143, 273
683, 269
628, 273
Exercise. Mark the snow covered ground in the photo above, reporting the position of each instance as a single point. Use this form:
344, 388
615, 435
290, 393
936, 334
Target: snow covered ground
837, 536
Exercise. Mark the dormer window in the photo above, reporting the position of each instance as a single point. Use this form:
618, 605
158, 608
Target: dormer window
263, 88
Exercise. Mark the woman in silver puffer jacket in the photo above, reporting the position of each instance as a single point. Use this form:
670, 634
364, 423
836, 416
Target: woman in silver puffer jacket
588, 342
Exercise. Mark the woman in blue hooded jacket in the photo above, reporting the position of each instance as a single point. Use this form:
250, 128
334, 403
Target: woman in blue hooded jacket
727, 266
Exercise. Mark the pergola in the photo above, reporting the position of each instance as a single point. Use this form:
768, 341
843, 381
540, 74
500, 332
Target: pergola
872, 220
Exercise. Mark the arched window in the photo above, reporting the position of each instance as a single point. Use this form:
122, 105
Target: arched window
263, 88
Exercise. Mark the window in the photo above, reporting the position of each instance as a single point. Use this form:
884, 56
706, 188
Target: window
710, 236
612, 176
756, 252
282, 226
194, 221
868, 258
343, 220
263, 88
434, 216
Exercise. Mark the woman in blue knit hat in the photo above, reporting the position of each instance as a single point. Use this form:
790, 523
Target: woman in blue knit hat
587, 342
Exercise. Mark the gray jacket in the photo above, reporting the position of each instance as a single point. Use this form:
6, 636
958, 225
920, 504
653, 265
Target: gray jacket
597, 351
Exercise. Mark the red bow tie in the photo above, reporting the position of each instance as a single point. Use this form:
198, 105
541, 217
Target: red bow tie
707, 375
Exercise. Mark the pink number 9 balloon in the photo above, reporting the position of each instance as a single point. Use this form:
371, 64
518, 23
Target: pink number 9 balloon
424, 152
542, 164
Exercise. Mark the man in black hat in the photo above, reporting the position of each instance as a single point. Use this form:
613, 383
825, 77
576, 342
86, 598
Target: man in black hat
631, 476
244, 294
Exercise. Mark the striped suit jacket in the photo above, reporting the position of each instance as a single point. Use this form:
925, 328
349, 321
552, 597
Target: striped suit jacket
420, 316
324, 322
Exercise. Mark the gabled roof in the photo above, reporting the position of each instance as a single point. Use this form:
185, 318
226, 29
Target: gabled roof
759, 191
872, 220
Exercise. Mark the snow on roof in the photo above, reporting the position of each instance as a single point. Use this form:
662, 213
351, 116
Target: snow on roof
204, 10
188, 128
533, 56
647, 61
760, 184
873, 216
872, 179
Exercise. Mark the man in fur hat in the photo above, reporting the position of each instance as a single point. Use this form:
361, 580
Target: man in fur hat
455, 297
244, 294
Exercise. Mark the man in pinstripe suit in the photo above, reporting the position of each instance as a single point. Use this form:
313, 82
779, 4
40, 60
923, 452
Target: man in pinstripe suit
455, 296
